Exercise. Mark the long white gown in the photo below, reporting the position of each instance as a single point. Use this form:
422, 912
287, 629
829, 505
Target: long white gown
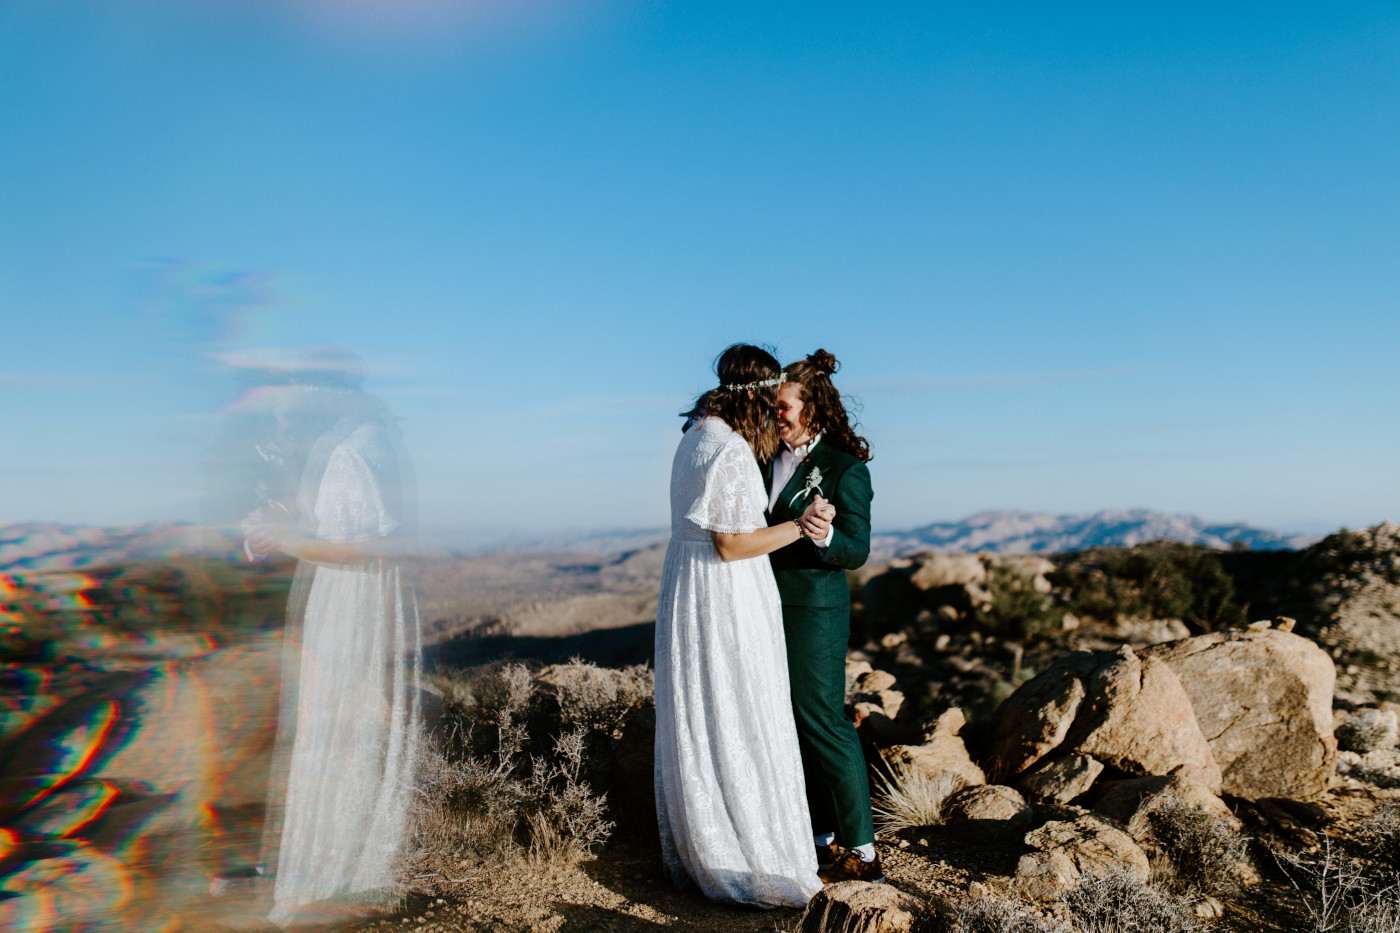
357, 712
729, 788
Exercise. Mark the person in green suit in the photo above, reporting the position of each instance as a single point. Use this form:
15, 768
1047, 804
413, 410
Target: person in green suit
821, 455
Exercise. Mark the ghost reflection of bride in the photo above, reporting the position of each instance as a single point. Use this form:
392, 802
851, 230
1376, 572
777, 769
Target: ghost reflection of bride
350, 718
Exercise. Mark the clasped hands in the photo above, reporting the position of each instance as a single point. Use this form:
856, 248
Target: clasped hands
270, 528
816, 520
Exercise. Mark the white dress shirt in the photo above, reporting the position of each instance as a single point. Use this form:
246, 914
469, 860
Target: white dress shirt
784, 466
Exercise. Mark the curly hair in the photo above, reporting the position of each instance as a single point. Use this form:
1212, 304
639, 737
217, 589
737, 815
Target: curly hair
748, 411
822, 408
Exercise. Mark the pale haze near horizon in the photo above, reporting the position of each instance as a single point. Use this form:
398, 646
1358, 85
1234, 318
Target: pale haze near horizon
1069, 260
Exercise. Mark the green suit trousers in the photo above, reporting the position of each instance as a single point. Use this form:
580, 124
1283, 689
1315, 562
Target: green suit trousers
838, 794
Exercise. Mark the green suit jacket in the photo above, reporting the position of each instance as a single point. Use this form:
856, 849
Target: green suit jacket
808, 575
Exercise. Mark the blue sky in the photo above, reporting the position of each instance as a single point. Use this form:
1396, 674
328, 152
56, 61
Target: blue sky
1071, 256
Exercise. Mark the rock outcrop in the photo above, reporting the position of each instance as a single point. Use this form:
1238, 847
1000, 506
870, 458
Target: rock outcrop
941, 752
1263, 699
1127, 712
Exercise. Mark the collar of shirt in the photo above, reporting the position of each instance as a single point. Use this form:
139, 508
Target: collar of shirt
786, 464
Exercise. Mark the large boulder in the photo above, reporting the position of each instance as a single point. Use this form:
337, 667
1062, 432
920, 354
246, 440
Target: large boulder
862, 907
1263, 699
1126, 712
941, 752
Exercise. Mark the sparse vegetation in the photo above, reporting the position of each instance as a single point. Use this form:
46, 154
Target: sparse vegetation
1381, 834
522, 792
1157, 580
1329, 885
1119, 903
991, 914
1201, 853
909, 796
1017, 609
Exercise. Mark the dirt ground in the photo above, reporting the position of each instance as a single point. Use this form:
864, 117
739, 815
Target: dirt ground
625, 889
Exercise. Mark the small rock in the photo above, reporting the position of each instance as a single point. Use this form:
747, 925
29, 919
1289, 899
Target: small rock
1045, 876
1368, 730
874, 681
1062, 780
988, 807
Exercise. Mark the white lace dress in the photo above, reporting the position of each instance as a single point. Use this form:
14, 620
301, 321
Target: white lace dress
729, 789
357, 714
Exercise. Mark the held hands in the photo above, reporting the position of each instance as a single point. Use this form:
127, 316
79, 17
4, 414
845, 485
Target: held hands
264, 534
816, 520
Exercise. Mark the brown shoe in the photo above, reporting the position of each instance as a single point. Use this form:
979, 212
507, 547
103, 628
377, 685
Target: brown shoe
828, 855
851, 867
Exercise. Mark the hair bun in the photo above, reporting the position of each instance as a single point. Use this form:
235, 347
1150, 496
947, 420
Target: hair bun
824, 362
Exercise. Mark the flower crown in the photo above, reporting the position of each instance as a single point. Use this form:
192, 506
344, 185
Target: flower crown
761, 384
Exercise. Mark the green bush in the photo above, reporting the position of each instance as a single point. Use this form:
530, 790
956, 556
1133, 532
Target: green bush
1017, 610
1157, 580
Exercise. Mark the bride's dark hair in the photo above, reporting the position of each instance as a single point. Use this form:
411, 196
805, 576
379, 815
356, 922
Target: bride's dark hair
749, 411
822, 408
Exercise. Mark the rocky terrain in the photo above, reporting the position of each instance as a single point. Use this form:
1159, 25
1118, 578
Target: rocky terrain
1212, 729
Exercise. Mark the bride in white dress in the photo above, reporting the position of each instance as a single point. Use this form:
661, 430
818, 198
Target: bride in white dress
729, 788
348, 733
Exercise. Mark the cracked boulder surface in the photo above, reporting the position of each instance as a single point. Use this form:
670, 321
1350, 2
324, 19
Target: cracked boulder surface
1264, 702
1127, 712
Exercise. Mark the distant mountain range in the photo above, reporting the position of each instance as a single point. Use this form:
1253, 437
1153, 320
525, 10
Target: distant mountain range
49, 546
1043, 533
52, 546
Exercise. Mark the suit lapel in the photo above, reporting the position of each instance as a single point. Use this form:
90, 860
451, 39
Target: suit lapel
815, 458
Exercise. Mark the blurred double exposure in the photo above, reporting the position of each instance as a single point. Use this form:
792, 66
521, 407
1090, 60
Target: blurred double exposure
184, 706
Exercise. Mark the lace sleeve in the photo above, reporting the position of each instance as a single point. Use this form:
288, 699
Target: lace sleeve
730, 500
353, 503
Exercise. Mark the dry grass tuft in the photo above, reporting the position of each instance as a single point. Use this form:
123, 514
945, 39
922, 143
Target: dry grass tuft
1119, 903
910, 797
1203, 854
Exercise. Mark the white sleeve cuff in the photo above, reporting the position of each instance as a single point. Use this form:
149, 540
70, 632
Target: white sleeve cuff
825, 542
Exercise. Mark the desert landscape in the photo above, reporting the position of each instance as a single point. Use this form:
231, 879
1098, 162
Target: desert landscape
1207, 735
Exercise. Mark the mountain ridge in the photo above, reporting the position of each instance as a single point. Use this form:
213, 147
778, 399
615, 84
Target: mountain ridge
1016, 532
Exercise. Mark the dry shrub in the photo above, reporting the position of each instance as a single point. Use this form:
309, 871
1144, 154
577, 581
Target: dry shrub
465, 806
600, 698
1381, 834
1119, 903
1375, 912
999, 915
1329, 885
910, 796
495, 799
1203, 853
1338, 892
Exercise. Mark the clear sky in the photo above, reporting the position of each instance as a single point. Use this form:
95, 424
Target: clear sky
1072, 256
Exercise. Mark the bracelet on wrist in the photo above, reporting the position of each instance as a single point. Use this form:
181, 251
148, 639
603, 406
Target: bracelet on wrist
801, 532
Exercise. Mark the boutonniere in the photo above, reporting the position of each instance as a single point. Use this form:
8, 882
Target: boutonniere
814, 484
